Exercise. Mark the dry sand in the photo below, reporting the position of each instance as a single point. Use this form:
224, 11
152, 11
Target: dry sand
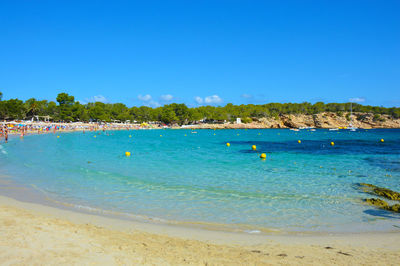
33, 234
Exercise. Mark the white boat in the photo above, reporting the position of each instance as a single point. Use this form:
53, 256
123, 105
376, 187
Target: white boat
351, 127
333, 129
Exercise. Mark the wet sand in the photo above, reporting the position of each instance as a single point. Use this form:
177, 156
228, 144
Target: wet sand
36, 234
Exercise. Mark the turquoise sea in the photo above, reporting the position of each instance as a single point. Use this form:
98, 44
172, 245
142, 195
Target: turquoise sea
194, 178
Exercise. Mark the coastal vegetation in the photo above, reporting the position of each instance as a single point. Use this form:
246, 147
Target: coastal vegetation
67, 109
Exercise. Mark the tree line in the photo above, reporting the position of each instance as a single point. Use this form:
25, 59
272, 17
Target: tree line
67, 109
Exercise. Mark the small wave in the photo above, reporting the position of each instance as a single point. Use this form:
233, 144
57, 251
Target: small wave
252, 231
3, 151
87, 208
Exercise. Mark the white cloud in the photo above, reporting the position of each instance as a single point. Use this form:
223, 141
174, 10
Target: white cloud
97, 98
100, 98
152, 103
247, 96
254, 99
198, 100
166, 97
357, 100
214, 99
147, 100
144, 98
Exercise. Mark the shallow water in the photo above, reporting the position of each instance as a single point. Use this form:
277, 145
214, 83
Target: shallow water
198, 179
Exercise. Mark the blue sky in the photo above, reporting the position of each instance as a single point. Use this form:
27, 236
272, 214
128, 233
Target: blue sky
201, 52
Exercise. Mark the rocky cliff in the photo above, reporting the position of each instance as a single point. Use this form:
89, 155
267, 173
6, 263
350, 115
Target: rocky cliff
321, 120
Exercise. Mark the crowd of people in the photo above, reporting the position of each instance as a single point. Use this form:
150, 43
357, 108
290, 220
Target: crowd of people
24, 128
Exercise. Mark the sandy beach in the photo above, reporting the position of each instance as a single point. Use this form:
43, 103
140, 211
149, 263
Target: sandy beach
33, 234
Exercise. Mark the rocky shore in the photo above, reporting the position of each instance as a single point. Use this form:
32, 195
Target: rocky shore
321, 120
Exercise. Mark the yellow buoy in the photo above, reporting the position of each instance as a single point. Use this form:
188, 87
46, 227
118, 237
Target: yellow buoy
160, 135
238, 134
58, 136
259, 134
214, 134
95, 136
382, 140
254, 147
299, 141
127, 154
185, 135
332, 143
130, 136
228, 144
263, 156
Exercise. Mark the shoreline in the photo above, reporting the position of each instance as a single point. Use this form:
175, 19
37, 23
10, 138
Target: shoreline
33, 233
31, 195
324, 120
189, 232
30, 198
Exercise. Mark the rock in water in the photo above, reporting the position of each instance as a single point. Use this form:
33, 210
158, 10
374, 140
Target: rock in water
367, 185
381, 204
387, 193
394, 208
377, 202
380, 191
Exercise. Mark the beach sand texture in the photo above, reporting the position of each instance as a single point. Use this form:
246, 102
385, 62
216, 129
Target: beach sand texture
33, 237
